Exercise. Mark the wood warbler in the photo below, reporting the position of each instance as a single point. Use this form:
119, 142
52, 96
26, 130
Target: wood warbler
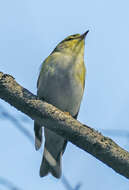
61, 83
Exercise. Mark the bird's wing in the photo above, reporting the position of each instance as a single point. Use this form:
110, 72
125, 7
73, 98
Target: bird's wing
37, 127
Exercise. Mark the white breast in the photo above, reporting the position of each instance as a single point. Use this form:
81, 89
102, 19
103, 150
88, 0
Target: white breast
58, 86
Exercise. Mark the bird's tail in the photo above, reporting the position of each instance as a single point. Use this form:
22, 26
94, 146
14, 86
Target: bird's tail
38, 135
50, 165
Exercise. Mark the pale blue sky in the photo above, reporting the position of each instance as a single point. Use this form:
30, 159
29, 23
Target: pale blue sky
29, 31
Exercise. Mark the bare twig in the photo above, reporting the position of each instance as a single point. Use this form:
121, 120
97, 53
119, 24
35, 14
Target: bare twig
8, 184
16, 123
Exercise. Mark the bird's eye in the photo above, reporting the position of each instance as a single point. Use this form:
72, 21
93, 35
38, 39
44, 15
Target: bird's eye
71, 37
75, 35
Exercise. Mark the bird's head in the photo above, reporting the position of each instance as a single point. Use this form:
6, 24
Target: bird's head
72, 44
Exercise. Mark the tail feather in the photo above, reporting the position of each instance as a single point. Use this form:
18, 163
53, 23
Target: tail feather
44, 169
49, 164
52, 157
38, 135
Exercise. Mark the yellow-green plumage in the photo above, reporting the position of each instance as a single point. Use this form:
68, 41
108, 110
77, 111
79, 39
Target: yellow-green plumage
60, 83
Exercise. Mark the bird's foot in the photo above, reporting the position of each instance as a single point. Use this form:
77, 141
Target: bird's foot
67, 113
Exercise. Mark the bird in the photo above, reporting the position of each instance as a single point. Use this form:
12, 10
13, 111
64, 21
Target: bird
61, 83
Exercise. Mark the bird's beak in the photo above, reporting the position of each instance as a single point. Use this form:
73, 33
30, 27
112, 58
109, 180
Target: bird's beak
84, 35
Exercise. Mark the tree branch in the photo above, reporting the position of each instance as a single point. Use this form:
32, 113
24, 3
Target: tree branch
49, 116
